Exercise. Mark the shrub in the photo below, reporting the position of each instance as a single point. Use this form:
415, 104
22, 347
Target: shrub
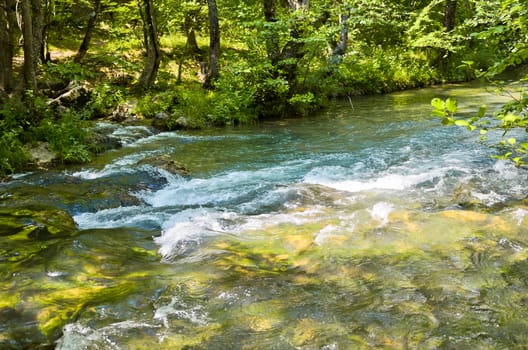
13, 155
66, 136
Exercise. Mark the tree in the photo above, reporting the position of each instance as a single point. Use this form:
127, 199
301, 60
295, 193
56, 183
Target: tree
191, 23
151, 43
212, 70
500, 26
90, 26
272, 37
449, 26
7, 25
30, 56
339, 49
450, 15
38, 30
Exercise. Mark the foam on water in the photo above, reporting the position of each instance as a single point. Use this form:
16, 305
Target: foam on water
76, 336
177, 309
120, 166
380, 212
190, 225
134, 216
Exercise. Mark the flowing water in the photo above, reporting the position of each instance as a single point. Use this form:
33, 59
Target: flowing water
366, 226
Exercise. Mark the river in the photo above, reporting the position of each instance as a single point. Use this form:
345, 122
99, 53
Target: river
366, 226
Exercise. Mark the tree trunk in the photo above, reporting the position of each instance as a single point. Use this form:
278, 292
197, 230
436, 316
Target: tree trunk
293, 50
153, 53
272, 40
450, 15
214, 45
192, 44
449, 26
189, 28
7, 43
37, 23
340, 48
90, 26
45, 55
30, 61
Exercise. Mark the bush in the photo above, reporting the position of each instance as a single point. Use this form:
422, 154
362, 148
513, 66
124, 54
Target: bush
13, 155
104, 100
66, 136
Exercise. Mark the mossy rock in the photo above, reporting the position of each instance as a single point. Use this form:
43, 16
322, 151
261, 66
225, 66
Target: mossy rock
36, 223
166, 163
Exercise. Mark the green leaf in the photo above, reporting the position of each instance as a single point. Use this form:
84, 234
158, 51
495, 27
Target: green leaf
510, 118
438, 103
451, 105
483, 131
481, 111
447, 121
512, 141
438, 113
461, 122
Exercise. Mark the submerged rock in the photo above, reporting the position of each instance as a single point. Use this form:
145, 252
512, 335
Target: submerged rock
100, 142
35, 223
166, 163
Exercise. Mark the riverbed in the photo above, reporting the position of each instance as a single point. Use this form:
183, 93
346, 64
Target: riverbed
368, 225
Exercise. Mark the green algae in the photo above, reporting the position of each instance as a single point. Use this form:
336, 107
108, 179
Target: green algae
422, 280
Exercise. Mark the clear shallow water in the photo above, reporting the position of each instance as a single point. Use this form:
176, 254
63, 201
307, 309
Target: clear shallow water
367, 226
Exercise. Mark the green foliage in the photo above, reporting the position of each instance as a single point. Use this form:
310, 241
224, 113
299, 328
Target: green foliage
24, 121
105, 97
153, 103
66, 136
199, 108
380, 71
13, 155
65, 71
504, 121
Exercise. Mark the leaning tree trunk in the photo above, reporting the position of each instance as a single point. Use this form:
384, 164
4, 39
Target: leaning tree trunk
214, 45
90, 26
7, 43
30, 58
340, 48
151, 42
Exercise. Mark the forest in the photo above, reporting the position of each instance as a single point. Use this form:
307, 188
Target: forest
193, 64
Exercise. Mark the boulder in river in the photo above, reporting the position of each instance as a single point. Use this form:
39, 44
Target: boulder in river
166, 163
35, 223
